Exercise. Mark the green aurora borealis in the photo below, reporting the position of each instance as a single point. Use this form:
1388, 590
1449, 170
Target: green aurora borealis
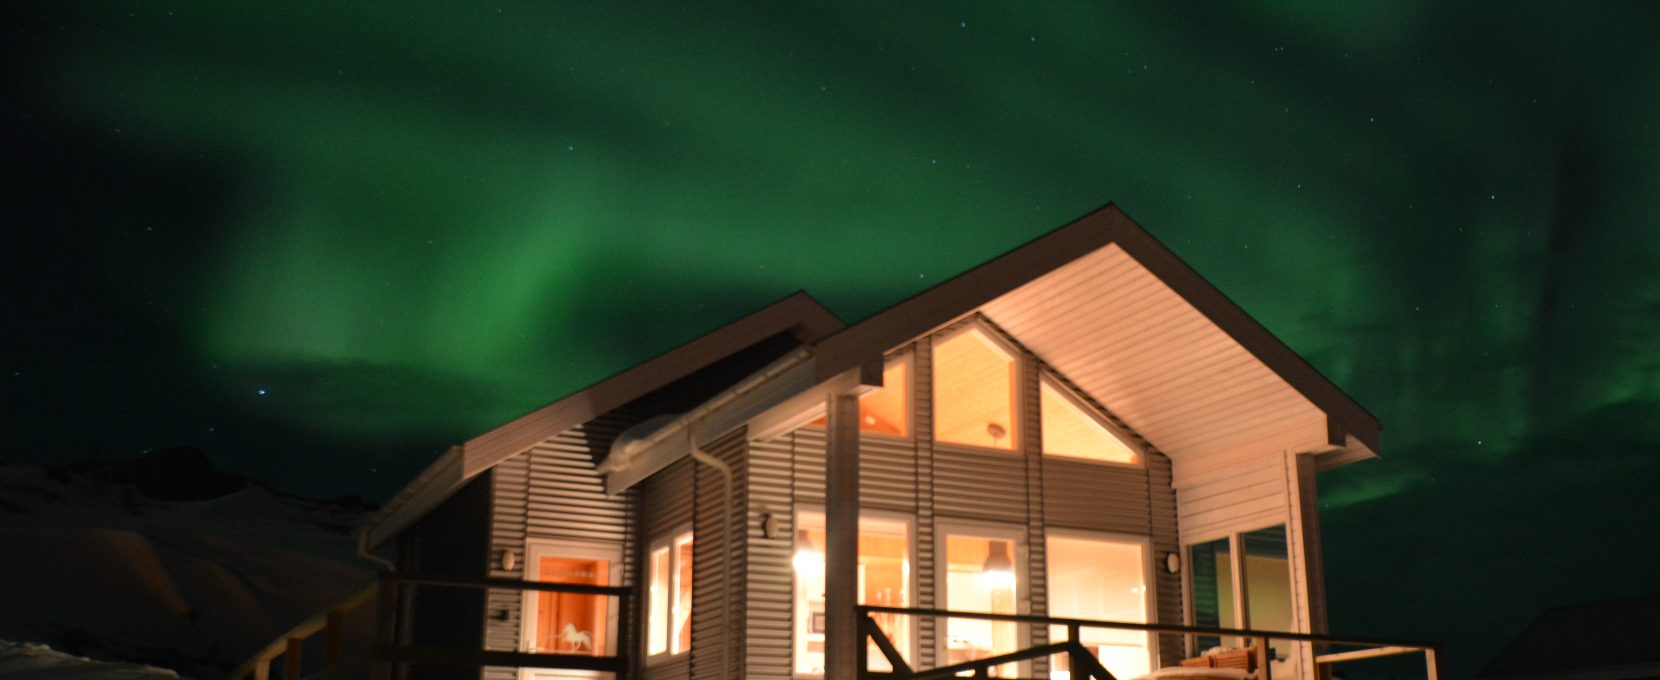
322, 242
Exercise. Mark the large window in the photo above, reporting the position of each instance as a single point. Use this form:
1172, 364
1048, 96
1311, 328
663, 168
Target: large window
669, 616
887, 410
974, 391
982, 574
1265, 562
1071, 430
1104, 580
884, 580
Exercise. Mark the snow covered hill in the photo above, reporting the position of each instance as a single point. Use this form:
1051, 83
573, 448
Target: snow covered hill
23, 661
165, 561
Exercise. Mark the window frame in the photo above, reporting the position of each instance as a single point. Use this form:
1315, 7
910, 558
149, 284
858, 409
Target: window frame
944, 527
1239, 577
1017, 412
911, 582
534, 550
666, 540
907, 355
1149, 574
1050, 377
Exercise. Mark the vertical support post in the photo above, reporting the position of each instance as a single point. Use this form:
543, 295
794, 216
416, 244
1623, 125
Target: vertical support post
841, 549
1305, 515
292, 659
386, 626
1241, 601
1432, 664
622, 641
334, 640
262, 669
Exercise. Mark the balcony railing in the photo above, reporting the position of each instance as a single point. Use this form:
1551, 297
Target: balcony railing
392, 649
1085, 665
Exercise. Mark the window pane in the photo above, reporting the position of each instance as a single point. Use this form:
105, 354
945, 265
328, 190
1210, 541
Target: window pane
981, 576
974, 391
657, 619
1069, 431
1105, 581
682, 640
884, 579
1268, 579
887, 410
1210, 569
569, 623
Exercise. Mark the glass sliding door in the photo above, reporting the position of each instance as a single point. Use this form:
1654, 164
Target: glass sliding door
1210, 576
1268, 579
1102, 579
1242, 581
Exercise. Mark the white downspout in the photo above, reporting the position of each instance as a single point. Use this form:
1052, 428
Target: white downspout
720, 466
363, 550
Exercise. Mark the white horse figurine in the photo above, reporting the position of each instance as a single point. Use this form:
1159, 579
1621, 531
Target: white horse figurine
576, 639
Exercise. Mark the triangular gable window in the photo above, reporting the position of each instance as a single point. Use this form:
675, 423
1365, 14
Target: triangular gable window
1072, 432
974, 391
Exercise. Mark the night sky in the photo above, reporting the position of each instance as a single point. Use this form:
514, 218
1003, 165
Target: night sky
324, 242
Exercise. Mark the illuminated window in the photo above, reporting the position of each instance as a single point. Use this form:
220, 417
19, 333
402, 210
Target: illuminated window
884, 580
887, 410
1103, 580
669, 597
974, 391
569, 623
982, 574
1071, 431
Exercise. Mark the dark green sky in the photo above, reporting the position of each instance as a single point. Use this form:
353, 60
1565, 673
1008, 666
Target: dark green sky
323, 242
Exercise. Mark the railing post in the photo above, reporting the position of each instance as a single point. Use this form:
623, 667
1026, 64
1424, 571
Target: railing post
624, 640
262, 669
1432, 664
334, 640
293, 659
386, 626
1265, 659
861, 656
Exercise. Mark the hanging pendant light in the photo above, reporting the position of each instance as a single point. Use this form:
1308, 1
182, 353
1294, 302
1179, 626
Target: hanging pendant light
998, 571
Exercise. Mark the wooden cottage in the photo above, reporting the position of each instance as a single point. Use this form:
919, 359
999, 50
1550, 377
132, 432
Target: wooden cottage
1078, 458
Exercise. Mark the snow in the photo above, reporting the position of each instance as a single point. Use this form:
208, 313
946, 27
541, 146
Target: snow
93, 567
26, 661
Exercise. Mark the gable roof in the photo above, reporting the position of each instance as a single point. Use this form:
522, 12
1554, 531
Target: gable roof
1109, 271
1099, 300
799, 314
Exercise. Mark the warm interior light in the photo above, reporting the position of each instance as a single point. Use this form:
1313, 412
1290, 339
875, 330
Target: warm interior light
1069, 430
998, 571
974, 391
807, 558
887, 410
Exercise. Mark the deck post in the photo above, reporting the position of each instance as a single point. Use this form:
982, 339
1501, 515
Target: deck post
841, 542
1265, 655
292, 658
334, 641
1432, 664
386, 626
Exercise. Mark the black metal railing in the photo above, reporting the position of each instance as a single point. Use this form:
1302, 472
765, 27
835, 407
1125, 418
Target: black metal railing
392, 649
1085, 665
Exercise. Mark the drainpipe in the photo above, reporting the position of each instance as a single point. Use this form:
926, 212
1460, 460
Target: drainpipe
720, 466
363, 551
